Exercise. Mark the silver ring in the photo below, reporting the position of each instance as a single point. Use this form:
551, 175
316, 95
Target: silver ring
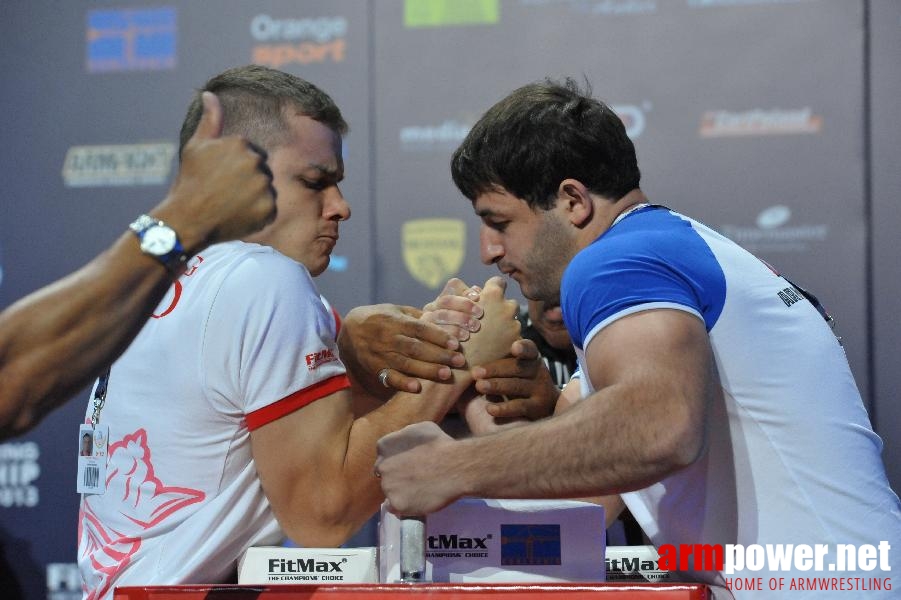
383, 378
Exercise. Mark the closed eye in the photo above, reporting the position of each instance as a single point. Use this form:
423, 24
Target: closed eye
498, 226
318, 185
319, 178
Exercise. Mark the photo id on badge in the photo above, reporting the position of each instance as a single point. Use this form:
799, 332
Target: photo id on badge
92, 457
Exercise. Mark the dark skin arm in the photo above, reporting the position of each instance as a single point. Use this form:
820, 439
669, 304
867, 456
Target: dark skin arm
519, 385
394, 337
397, 338
55, 341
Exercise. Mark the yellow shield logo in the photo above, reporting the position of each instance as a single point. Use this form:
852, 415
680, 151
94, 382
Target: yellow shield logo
433, 249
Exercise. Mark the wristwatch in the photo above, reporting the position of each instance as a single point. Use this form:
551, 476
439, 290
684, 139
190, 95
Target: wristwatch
160, 241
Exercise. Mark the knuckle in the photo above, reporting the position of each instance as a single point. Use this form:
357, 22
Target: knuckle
408, 347
527, 370
399, 363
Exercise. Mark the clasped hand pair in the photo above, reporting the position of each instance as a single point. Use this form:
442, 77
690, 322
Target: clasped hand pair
465, 327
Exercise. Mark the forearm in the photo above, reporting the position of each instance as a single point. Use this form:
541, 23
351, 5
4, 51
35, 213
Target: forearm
401, 410
596, 448
345, 502
56, 340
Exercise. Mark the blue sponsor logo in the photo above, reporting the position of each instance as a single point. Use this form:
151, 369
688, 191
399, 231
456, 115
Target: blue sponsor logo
530, 545
131, 40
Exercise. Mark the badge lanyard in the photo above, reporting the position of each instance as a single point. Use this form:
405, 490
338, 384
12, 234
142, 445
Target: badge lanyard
93, 444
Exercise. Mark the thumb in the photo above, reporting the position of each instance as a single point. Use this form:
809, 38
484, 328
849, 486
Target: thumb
495, 287
524, 349
210, 125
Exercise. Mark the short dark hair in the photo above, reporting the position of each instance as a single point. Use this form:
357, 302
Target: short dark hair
541, 134
254, 99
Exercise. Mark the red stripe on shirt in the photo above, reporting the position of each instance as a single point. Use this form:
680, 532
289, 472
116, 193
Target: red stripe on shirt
337, 322
297, 400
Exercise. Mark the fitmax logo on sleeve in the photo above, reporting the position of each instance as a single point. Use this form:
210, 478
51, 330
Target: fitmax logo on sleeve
317, 359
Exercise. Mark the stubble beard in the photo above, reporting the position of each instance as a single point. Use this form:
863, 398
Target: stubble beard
547, 259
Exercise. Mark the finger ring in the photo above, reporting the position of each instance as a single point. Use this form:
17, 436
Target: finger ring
377, 474
383, 378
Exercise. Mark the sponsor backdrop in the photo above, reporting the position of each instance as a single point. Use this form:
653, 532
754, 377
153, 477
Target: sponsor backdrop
772, 121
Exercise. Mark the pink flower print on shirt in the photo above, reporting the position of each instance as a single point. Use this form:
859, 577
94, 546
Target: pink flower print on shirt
145, 501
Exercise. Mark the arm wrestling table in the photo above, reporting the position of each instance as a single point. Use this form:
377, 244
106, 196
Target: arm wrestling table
428, 591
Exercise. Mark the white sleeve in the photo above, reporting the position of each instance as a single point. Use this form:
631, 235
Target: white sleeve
269, 340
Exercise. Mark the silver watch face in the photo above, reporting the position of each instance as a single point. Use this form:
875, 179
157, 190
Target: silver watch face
158, 240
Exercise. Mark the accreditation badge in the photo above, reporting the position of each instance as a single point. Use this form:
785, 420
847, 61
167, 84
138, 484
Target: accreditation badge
93, 443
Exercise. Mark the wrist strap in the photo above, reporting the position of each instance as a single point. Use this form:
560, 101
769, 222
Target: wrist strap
176, 259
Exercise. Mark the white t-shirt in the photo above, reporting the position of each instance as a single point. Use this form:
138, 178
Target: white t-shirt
792, 458
241, 340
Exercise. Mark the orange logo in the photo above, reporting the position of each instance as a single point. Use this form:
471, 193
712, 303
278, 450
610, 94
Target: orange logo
302, 41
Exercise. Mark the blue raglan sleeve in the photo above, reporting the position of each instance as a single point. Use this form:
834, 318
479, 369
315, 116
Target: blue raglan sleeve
648, 262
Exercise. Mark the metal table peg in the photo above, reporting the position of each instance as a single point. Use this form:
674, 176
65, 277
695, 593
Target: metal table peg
412, 550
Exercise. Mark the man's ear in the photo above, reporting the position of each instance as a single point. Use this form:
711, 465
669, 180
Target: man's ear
576, 200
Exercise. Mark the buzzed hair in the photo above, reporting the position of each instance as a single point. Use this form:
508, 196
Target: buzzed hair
255, 101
